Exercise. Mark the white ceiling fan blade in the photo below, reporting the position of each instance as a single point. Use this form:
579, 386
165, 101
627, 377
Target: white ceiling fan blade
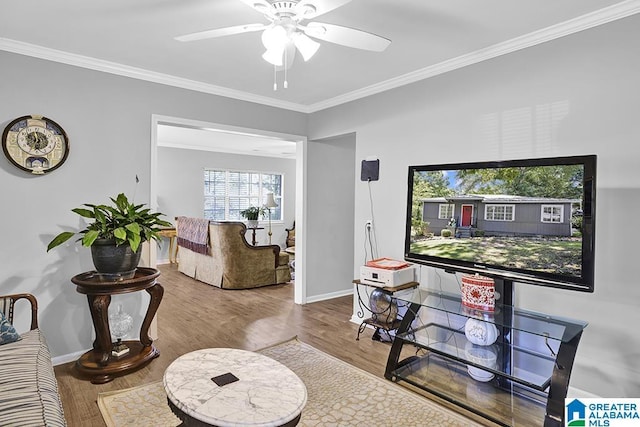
219, 32
308, 9
346, 36
261, 6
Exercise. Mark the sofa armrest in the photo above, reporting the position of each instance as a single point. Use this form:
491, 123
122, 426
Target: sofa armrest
7, 303
262, 253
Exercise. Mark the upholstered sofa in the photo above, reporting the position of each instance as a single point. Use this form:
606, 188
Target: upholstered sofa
227, 260
28, 388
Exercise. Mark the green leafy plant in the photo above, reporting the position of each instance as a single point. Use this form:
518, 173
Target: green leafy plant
253, 212
123, 222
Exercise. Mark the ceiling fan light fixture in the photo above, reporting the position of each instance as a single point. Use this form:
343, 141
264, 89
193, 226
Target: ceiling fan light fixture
275, 37
274, 56
305, 45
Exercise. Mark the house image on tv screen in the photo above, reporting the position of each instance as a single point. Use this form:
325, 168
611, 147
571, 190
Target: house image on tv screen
500, 215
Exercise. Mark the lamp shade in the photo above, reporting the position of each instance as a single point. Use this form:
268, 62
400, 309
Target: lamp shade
271, 202
274, 37
305, 45
274, 40
274, 56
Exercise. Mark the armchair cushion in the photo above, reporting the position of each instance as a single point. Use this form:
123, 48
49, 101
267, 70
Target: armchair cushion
283, 258
8, 333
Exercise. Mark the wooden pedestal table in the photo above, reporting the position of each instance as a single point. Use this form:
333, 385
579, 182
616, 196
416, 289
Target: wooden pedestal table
99, 365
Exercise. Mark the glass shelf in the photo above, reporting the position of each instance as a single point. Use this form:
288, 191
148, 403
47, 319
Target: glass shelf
504, 316
520, 379
501, 402
521, 365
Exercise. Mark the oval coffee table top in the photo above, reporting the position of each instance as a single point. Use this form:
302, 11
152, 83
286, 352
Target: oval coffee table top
266, 394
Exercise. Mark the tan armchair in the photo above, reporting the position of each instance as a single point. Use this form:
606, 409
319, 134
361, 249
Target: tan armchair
232, 263
291, 235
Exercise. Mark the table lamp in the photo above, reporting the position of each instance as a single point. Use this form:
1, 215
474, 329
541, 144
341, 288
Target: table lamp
271, 203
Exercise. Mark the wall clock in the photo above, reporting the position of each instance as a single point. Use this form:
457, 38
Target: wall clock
35, 144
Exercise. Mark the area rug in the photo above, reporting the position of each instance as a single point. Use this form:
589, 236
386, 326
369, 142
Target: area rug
338, 395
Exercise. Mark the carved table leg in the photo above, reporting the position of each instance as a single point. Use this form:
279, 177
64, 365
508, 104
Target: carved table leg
156, 292
99, 307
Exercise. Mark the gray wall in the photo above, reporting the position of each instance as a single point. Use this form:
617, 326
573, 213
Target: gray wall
330, 211
181, 185
574, 95
108, 121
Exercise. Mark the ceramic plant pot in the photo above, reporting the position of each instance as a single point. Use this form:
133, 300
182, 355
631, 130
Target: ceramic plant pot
114, 262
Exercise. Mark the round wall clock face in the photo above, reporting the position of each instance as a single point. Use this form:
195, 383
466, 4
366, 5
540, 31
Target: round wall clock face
35, 144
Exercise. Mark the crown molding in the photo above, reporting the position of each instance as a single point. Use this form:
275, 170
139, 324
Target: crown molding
584, 22
82, 61
612, 13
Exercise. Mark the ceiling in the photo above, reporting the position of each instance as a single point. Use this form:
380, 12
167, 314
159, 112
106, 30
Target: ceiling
224, 141
429, 37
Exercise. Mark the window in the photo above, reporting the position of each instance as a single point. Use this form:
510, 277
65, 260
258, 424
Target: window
552, 213
226, 193
499, 212
445, 211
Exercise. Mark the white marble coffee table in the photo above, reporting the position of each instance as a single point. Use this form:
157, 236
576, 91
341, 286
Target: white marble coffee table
267, 393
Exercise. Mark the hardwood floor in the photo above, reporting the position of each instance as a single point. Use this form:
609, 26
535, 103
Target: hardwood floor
194, 315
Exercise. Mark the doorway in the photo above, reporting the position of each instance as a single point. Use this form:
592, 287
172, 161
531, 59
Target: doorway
256, 140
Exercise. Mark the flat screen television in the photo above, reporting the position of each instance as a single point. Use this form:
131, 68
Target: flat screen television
529, 220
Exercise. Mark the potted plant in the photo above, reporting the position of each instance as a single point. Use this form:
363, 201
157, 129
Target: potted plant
251, 214
115, 235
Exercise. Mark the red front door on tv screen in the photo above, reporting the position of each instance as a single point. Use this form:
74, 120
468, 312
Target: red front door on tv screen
467, 213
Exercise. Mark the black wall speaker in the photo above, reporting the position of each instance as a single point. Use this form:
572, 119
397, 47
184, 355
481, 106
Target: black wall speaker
370, 170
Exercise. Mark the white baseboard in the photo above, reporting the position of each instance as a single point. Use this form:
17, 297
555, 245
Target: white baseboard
66, 358
581, 394
355, 319
330, 295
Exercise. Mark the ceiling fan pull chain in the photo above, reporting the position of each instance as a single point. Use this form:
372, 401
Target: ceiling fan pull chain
275, 78
286, 83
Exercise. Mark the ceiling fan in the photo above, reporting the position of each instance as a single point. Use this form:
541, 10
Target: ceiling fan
285, 32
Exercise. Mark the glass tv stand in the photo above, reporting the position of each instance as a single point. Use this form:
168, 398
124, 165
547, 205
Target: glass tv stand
521, 379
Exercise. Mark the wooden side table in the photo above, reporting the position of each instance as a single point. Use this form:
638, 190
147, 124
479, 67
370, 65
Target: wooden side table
98, 364
172, 235
374, 321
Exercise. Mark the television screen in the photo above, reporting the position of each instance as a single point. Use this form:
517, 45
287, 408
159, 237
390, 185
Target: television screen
530, 221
